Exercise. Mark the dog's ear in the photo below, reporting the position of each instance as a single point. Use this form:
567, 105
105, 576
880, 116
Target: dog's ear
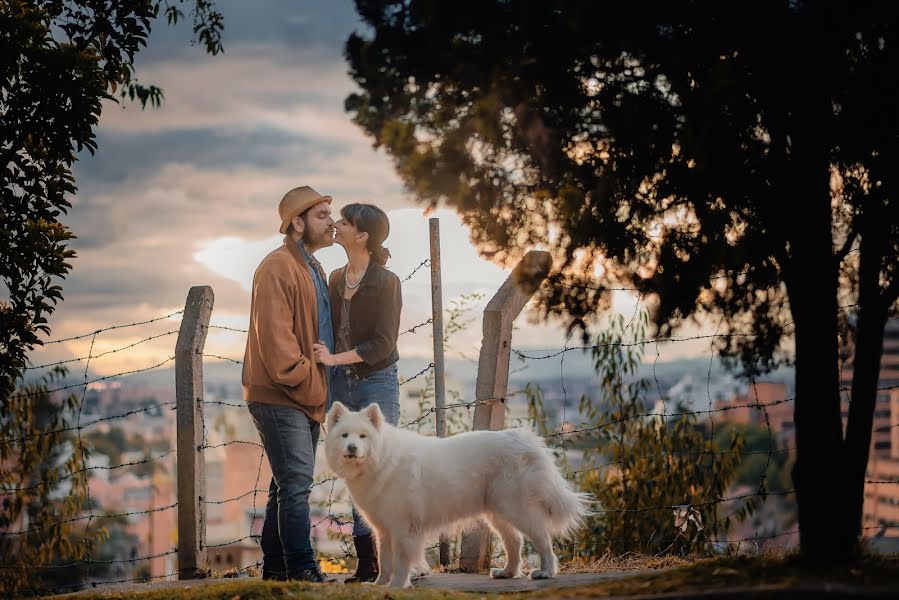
337, 411
373, 412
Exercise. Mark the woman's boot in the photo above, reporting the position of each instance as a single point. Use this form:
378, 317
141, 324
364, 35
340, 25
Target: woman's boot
367, 563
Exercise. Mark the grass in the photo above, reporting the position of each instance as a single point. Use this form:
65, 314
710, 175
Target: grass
728, 573
679, 575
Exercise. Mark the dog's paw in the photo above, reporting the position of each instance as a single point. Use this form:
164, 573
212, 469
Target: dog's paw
419, 572
540, 574
503, 574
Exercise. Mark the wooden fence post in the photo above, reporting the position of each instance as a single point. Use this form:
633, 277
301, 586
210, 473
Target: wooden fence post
189, 411
439, 377
493, 373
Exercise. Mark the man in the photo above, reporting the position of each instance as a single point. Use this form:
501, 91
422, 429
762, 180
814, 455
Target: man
286, 390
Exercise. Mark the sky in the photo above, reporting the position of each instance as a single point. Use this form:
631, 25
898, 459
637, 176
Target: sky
187, 194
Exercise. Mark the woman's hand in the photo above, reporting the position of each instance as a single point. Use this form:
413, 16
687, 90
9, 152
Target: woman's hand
323, 355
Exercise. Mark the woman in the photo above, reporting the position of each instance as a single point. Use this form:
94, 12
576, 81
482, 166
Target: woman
365, 309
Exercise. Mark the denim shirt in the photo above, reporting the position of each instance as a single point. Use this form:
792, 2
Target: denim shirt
325, 329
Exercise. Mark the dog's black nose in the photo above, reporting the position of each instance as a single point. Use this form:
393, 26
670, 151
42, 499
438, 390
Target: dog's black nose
351, 449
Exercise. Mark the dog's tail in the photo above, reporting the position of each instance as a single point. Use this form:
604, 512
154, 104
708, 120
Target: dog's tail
564, 509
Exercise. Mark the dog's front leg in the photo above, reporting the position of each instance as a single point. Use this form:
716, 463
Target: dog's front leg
385, 557
405, 552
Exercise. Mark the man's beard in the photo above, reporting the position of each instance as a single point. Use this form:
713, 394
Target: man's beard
319, 241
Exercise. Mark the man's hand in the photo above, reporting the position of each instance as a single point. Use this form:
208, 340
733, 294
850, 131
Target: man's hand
323, 355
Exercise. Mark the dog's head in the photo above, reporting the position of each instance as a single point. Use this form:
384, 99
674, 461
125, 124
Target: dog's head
353, 438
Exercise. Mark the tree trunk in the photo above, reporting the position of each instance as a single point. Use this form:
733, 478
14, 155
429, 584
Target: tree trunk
868, 345
812, 282
819, 431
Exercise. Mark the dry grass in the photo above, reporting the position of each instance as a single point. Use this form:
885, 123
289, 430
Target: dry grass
626, 562
772, 572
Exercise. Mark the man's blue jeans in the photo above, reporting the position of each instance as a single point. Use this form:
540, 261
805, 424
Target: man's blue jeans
381, 388
289, 438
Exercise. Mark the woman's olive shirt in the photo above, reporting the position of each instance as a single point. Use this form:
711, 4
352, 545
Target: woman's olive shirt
374, 316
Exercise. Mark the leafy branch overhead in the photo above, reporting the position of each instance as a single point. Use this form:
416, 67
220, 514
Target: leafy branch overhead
647, 145
729, 163
59, 61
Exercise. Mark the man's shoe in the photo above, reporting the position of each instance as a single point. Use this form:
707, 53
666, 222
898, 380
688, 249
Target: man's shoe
274, 575
311, 575
367, 563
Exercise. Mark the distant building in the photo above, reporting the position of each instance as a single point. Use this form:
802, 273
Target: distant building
881, 442
764, 404
881, 508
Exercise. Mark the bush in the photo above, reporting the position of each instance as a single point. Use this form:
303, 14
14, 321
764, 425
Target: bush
656, 479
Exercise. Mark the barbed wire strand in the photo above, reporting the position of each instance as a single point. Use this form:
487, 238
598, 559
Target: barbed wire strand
341, 520
111, 327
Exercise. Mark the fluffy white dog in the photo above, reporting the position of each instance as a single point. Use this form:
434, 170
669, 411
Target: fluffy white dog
409, 488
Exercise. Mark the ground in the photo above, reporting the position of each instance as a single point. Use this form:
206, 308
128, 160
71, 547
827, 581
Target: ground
875, 577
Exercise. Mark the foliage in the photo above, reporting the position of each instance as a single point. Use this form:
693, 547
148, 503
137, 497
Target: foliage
59, 60
643, 461
113, 442
729, 162
105, 564
43, 486
762, 457
652, 138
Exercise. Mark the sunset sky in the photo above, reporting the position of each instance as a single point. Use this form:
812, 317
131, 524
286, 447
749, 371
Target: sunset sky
187, 194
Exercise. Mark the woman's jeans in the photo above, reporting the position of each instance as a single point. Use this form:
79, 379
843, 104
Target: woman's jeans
289, 438
381, 388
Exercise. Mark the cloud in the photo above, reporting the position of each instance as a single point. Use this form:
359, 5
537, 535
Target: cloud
124, 156
317, 27
242, 92
187, 195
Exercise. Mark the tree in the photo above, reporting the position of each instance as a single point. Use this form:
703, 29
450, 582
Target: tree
731, 162
59, 59
41, 494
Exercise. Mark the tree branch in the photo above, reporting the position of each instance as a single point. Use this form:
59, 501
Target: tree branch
847, 246
891, 294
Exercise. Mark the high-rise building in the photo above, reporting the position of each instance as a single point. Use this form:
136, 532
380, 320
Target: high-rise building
881, 509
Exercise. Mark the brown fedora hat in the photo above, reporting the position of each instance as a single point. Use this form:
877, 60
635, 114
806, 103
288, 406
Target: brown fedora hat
297, 201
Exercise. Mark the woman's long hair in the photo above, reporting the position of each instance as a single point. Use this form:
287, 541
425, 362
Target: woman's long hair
372, 220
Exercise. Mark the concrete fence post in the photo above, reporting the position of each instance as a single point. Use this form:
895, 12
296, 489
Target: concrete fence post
189, 414
493, 373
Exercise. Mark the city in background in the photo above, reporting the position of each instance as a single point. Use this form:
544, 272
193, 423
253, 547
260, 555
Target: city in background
133, 463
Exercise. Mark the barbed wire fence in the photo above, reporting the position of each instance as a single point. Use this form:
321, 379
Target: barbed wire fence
88, 422
332, 518
687, 517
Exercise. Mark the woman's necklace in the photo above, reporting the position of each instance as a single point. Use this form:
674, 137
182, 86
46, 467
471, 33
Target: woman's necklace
346, 280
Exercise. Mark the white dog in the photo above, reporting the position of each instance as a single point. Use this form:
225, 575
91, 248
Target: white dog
409, 488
